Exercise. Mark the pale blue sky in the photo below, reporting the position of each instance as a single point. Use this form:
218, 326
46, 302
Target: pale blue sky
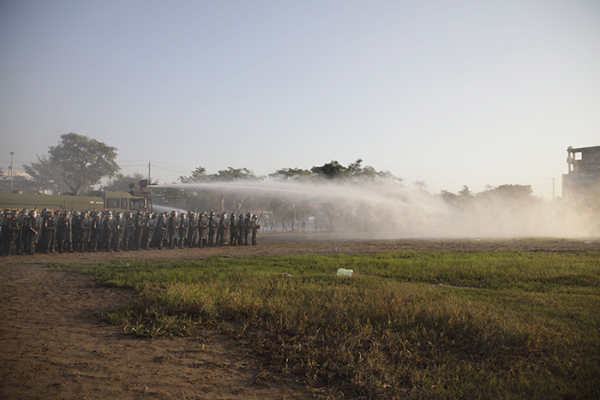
451, 93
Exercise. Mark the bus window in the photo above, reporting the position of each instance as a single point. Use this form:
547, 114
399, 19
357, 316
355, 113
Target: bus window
124, 204
112, 203
137, 204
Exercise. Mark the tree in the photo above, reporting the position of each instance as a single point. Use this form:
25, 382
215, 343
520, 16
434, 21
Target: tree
332, 170
234, 174
45, 175
198, 175
83, 161
465, 193
449, 197
292, 174
511, 192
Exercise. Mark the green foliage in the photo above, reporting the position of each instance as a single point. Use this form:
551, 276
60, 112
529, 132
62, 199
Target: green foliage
406, 325
198, 175
292, 174
83, 161
234, 174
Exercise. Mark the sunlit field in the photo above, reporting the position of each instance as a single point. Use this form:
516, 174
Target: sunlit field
418, 325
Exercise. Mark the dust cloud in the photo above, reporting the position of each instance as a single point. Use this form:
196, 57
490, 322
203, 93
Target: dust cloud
390, 211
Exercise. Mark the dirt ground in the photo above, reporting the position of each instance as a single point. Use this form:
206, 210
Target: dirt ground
52, 347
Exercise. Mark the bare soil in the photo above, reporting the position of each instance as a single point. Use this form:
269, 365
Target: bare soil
52, 347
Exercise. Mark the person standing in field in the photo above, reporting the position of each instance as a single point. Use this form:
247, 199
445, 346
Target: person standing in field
32, 229
232, 230
202, 230
95, 232
255, 228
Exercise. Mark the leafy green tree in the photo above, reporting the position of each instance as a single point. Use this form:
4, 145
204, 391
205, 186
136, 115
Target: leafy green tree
292, 174
83, 161
332, 170
234, 174
198, 175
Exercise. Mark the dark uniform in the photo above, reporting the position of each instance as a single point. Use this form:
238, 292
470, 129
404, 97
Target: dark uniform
183, 229
162, 227
127, 231
173, 229
247, 228
95, 232
192, 229
63, 232
85, 229
118, 225
4, 230
12, 230
211, 229
202, 230
232, 230
19, 239
31, 230
48, 230
241, 226
108, 231
150, 230
139, 230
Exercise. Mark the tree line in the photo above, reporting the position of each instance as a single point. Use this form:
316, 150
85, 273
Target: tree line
78, 162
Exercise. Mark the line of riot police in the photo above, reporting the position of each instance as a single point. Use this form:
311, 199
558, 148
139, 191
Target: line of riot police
26, 232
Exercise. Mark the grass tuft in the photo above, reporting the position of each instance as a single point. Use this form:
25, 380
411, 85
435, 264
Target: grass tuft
406, 325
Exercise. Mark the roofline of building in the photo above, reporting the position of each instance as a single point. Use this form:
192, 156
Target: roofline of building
582, 148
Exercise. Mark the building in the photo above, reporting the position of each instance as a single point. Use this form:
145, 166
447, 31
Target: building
583, 177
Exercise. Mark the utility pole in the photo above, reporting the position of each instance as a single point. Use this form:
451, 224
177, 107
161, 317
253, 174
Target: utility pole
149, 169
12, 154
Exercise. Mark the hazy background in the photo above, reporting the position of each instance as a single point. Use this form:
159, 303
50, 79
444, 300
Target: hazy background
451, 93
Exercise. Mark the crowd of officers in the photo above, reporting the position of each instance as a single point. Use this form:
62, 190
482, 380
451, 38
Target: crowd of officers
28, 232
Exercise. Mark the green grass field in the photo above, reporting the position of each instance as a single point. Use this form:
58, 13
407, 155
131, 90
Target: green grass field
418, 325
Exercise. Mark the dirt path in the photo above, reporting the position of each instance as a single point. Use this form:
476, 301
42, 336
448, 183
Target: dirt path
52, 347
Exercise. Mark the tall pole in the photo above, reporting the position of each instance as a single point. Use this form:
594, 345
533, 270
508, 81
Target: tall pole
149, 169
12, 154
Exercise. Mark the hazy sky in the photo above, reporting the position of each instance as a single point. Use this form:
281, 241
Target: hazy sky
451, 93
